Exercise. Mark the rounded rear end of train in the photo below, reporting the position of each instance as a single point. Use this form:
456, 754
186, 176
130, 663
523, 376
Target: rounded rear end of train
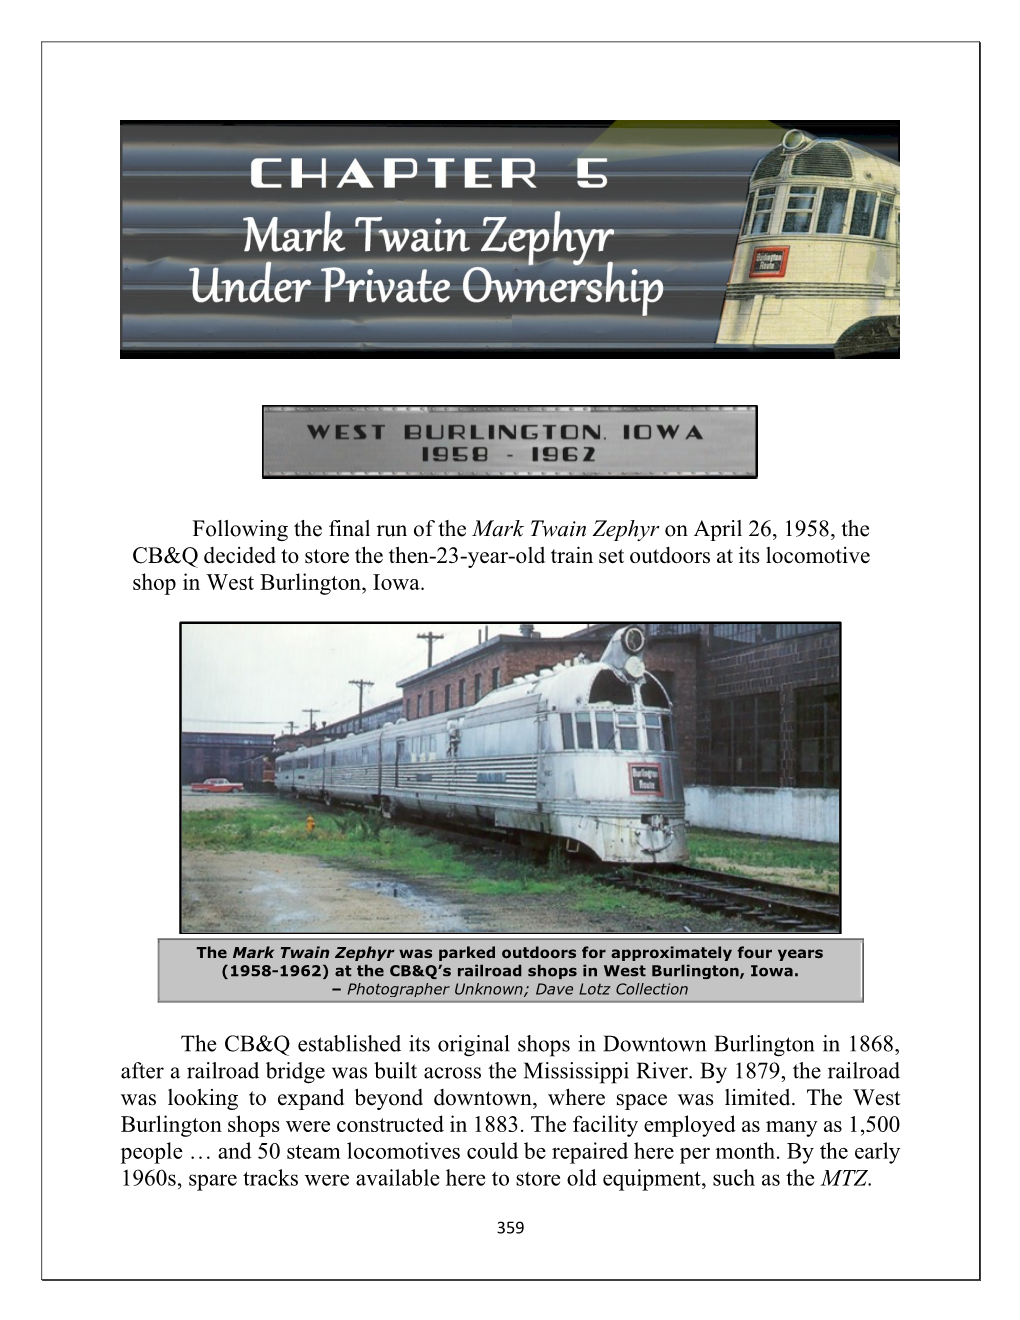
817, 258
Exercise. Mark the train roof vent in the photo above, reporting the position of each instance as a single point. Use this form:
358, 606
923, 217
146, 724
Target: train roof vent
769, 166
825, 159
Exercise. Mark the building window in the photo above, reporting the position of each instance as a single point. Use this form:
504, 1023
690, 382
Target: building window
478, 687
732, 636
818, 724
418, 706
495, 678
408, 707
745, 741
447, 693
461, 691
432, 701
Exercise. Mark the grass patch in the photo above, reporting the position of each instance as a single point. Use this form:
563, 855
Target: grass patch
785, 861
276, 825
356, 837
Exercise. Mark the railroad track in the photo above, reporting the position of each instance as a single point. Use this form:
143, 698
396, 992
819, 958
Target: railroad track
781, 907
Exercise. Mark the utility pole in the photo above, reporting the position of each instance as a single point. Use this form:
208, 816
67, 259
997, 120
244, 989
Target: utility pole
291, 726
311, 712
361, 684
430, 637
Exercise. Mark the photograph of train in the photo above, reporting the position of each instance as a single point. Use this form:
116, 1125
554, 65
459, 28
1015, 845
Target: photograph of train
818, 256
531, 780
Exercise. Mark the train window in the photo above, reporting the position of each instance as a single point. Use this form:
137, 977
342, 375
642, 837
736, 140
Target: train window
763, 210
584, 739
607, 687
799, 208
882, 223
864, 213
628, 731
832, 211
567, 725
653, 694
606, 730
747, 213
653, 728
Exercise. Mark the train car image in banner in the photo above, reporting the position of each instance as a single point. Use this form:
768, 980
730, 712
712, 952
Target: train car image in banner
818, 255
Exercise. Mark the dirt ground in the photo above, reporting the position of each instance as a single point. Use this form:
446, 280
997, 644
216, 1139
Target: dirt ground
276, 893
266, 893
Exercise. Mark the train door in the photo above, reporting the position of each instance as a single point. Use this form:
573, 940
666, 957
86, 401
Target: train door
398, 757
380, 753
454, 729
546, 740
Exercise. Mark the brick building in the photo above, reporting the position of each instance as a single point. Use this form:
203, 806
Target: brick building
465, 678
769, 710
235, 756
375, 718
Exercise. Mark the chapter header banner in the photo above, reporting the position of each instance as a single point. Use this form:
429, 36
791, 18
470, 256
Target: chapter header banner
581, 239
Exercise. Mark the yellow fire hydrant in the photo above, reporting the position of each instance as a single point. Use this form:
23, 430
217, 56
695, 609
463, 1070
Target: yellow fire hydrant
310, 824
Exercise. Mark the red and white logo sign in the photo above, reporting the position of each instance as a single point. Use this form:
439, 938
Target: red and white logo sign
768, 263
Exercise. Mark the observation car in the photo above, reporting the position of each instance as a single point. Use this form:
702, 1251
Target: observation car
819, 250
584, 753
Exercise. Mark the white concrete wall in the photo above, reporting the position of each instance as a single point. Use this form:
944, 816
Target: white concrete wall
786, 813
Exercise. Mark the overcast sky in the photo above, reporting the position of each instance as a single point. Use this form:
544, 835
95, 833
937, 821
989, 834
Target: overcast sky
256, 677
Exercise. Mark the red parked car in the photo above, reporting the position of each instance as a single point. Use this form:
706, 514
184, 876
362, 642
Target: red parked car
217, 786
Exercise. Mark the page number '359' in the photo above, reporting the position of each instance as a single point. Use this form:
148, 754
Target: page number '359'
510, 1226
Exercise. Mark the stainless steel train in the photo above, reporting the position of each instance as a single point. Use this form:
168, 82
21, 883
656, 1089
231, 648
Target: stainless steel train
818, 256
584, 753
